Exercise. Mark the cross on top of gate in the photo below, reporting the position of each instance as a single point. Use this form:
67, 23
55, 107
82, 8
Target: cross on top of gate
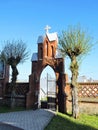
47, 28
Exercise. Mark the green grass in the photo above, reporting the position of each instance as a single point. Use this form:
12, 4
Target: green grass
4, 109
65, 122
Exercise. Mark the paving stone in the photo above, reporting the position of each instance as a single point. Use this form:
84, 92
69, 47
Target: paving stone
26, 120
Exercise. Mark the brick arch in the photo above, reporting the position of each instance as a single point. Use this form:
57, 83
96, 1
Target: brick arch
38, 64
34, 83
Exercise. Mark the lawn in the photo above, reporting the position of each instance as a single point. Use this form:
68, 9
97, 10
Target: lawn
65, 122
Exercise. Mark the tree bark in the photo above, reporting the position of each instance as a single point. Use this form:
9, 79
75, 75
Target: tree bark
75, 106
74, 86
13, 85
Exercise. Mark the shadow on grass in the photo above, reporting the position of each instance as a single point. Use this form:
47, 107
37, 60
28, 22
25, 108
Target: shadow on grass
4, 109
65, 122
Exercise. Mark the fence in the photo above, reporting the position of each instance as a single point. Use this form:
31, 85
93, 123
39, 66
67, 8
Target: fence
85, 89
21, 89
20, 94
88, 97
88, 90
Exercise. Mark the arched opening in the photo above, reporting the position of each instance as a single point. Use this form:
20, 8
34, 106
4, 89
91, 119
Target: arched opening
47, 96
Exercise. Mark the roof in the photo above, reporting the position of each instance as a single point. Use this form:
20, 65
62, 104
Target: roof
40, 39
34, 57
51, 37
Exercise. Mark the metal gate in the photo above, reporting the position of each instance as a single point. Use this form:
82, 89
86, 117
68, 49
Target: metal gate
49, 96
51, 93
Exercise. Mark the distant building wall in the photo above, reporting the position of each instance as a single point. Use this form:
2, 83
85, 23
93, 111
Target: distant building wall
4, 77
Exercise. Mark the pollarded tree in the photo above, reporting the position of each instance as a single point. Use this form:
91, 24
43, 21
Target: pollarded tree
74, 43
13, 53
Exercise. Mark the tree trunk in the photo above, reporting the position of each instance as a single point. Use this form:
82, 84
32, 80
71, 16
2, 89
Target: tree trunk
75, 106
13, 102
74, 86
13, 85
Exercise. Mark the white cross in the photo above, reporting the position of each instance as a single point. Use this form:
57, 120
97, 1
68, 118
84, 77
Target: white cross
47, 28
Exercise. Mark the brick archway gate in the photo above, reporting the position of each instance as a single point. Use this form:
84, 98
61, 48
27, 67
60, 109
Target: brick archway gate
47, 55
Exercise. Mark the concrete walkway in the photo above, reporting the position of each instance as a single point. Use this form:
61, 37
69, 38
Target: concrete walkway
26, 120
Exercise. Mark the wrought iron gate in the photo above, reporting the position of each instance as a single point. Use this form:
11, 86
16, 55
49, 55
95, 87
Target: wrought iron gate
51, 93
49, 97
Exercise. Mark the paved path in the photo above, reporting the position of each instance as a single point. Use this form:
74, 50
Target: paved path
26, 120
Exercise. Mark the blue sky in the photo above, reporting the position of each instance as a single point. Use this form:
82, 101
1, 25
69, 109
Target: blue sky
26, 20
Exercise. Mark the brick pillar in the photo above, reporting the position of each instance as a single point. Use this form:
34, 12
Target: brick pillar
61, 93
31, 95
